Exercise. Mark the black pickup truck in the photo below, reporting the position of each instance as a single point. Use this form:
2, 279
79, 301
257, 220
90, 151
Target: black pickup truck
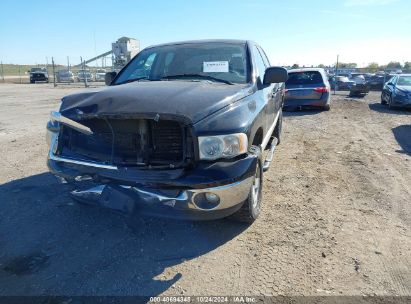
179, 132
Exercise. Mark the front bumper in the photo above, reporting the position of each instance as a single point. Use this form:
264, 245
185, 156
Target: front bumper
175, 193
39, 78
401, 101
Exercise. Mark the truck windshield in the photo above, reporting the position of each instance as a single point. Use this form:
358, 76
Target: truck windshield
206, 61
38, 70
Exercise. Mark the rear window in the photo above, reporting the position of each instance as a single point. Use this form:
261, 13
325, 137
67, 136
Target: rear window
304, 78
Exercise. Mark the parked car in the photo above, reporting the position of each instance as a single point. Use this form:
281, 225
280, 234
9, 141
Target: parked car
341, 83
307, 87
367, 76
100, 75
376, 82
84, 74
397, 92
360, 87
65, 76
179, 132
38, 74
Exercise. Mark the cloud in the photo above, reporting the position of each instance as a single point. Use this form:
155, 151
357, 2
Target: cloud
368, 2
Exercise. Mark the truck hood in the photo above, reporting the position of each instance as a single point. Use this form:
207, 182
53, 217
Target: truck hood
193, 100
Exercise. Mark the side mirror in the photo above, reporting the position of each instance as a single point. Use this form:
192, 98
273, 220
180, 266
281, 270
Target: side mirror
275, 75
110, 77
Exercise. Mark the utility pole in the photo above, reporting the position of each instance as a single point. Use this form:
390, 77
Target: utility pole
95, 47
47, 65
336, 74
54, 73
112, 61
84, 71
68, 63
20, 73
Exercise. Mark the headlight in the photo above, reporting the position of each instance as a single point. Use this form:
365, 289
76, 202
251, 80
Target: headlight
222, 146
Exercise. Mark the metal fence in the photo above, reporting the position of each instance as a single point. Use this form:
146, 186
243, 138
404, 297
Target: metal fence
58, 73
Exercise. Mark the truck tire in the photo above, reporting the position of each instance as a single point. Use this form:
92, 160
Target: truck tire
251, 208
279, 127
326, 107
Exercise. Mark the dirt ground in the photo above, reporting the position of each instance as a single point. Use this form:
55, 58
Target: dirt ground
336, 216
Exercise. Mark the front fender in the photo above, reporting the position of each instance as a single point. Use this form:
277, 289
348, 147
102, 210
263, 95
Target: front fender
244, 116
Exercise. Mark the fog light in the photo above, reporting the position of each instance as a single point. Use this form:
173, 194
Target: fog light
206, 201
211, 197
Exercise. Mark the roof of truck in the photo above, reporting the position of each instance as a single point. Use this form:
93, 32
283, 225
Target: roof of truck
232, 41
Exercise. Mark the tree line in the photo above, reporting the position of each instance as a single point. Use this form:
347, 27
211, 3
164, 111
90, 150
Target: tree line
372, 66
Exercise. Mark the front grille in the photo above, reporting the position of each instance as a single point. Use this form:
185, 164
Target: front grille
129, 142
36, 75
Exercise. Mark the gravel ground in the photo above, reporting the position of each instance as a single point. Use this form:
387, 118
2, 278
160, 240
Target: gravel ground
336, 215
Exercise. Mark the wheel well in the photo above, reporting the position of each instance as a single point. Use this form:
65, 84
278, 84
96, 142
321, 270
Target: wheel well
258, 137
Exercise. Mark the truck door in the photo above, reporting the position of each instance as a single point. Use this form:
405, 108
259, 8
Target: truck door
271, 93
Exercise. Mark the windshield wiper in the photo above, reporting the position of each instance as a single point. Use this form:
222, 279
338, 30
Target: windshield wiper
197, 76
132, 80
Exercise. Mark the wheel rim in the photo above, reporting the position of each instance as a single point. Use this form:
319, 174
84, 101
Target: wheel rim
255, 188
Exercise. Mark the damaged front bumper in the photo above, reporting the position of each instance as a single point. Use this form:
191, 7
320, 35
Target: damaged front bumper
204, 192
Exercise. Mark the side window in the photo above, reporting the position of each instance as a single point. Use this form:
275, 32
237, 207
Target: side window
168, 59
259, 63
